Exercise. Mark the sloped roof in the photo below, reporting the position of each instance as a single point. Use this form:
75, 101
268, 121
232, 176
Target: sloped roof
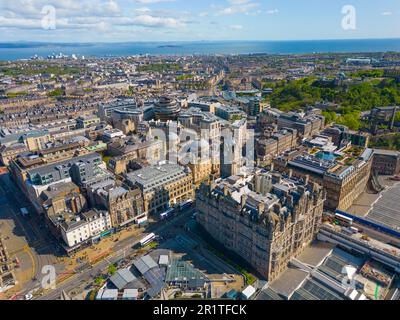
122, 277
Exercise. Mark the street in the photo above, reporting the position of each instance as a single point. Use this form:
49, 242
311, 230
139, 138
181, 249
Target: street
30, 241
27, 238
122, 249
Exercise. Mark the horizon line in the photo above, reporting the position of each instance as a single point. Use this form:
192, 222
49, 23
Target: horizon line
187, 41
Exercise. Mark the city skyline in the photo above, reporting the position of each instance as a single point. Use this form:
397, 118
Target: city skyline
217, 150
177, 20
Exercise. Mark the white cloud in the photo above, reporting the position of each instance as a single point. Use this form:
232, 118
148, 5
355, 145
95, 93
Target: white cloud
386, 13
236, 27
203, 14
150, 21
237, 2
103, 15
142, 10
152, 1
64, 8
19, 23
273, 11
239, 6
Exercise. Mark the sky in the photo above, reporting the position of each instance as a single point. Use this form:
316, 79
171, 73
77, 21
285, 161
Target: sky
196, 20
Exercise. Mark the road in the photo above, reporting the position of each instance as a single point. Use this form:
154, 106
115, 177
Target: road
41, 247
38, 245
122, 249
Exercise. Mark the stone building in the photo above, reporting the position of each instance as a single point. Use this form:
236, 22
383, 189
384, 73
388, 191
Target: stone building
83, 229
382, 116
162, 186
9, 153
166, 108
124, 206
341, 134
386, 162
278, 142
37, 140
306, 125
60, 198
261, 217
343, 181
133, 148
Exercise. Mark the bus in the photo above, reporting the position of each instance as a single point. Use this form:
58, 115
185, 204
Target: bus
141, 220
167, 214
343, 220
186, 204
147, 239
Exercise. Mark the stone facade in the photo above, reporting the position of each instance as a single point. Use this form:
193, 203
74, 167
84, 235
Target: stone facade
386, 162
276, 144
162, 186
343, 183
306, 125
124, 207
264, 219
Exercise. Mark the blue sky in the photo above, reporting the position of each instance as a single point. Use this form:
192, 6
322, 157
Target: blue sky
187, 20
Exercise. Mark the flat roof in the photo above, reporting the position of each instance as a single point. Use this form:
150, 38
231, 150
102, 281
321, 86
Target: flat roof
130, 293
289, 281
387, 152
315, 254
110, 294
163, 260
248, 291
153, 176
50, 167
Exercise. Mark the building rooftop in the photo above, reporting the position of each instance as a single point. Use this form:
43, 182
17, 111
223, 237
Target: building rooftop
122, 277
182, 271
268, 294
313, 164
263, 196
156, 176
316, 253
318, 274
289, 281
130, 294
393, 153
63, 164
144, 264
315, 290
386, 210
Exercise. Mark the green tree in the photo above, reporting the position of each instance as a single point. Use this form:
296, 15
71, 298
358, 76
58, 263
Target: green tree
112, 269
99, 281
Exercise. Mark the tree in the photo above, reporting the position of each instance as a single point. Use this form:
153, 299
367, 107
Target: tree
330, 117
99, 280
350, 120
112, 269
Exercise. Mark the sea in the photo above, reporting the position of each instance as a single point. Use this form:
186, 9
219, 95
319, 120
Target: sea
25, 50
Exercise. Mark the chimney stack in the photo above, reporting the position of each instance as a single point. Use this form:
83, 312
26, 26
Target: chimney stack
261, 207
243, 200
